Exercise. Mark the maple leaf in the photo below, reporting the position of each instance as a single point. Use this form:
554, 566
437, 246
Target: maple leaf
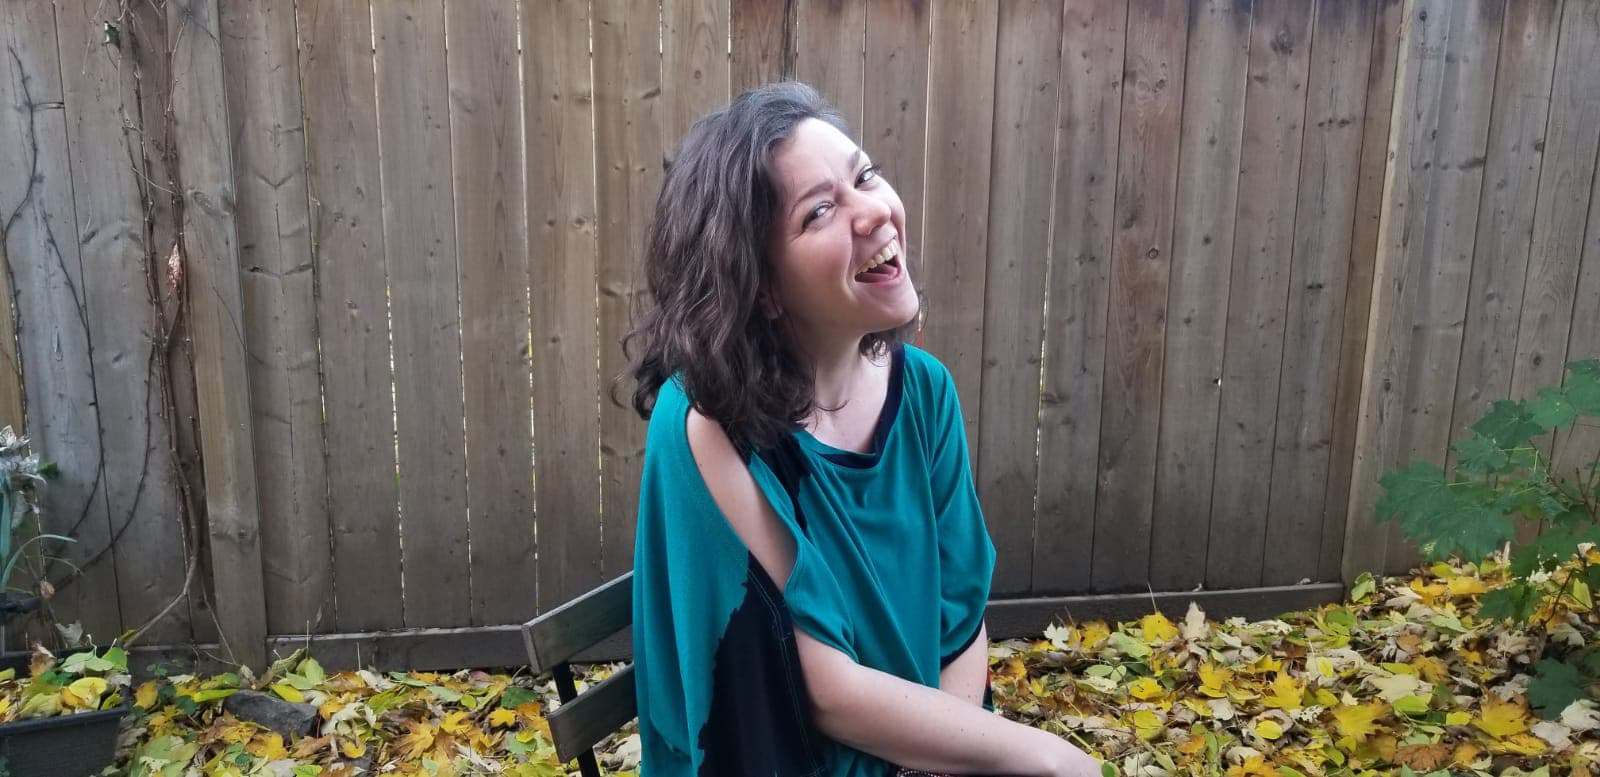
502, 718
1555, 685
1214, 680
1156, 629
1285, 693
1146, 688
1359, 721
1501, 719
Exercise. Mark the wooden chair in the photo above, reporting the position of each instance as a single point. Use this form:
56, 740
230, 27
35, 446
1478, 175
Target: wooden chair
553, 639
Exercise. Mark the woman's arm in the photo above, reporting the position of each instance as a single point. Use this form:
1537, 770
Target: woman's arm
900, 721
968, 675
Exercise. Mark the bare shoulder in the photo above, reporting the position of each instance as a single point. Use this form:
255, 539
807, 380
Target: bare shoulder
741, 501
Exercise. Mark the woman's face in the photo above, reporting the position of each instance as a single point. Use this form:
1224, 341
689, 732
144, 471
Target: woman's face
838, 240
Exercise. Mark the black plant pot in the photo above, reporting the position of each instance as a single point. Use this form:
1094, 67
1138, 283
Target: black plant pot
78, 745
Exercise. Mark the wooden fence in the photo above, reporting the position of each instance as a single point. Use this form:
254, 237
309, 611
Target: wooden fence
331, 291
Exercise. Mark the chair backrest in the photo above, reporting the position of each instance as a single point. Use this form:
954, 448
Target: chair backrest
554, 638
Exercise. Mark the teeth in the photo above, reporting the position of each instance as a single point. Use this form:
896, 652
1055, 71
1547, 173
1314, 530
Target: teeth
889, 251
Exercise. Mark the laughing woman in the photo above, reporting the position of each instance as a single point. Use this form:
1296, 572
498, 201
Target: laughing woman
812, 566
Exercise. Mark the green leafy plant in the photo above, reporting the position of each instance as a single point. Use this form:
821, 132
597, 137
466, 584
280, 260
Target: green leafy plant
21, 474
1502, 476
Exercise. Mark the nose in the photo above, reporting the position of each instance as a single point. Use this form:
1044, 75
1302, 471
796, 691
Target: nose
870, 213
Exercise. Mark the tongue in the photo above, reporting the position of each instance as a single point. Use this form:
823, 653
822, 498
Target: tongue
879, 274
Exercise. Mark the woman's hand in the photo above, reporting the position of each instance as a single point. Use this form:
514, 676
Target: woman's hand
1072, 762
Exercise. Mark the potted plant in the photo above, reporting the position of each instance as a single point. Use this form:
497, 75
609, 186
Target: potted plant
58, 716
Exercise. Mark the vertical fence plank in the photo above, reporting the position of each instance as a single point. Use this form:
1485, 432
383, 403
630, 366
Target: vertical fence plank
141, 500
1371, 167
1512, 172
1147, 173
1197, 302
1092, 36
1571, 142
1336, 95
829, 55
761, 40
41, 246
562, 265
210, 246
1506, 215
1028, 54
266, 122
894, 119
695, 69
420, 240
341, 114
961, 70
491, 241
1274, 119
1420, 288
629, 148
1020, 210
1576, 449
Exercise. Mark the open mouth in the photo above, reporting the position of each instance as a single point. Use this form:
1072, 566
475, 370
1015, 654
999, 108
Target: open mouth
884, 267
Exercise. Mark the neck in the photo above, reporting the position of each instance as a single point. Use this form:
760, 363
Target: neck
837, 372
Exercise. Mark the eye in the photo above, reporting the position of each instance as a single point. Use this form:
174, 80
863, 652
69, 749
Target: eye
868, 174
815, 213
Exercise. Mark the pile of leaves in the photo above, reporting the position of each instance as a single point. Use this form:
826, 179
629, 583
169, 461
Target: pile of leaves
79, 682
1405, 677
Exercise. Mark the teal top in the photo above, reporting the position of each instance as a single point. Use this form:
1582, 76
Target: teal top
892, 568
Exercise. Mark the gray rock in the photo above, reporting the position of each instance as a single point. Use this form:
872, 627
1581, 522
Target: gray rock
287, 718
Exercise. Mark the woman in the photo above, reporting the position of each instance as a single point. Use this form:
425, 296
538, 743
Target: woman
811, 567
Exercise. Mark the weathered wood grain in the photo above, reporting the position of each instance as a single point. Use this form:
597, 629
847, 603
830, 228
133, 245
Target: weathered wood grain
491, 241
1421, 283
1372, 164
762, 41
211, 253
1092, 36
419, 238
267, 124
1274, 125
1197, 301
1336, 96
41, 245
1020, 209
629, 149
829, 35
341, 115
1141, 255
1570, 145
559, 105
961, 73
894, 120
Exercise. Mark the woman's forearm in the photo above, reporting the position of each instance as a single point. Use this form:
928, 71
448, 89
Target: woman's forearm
925, 728
968, 675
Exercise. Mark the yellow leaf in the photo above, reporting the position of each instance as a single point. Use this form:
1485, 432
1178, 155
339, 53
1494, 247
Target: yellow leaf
1092, 634
1457, 718
1254, 766
1147, 724
1466, 754
502, 718
1431, 669
288, 692
416, 742
353, 748
1156, 628
1269, 729
267, 745
1214, 680
1521, 744
1466, 586
1501, 719
1359, 721
1285, 693
454, 722
84, 692
147, 695
1146, 688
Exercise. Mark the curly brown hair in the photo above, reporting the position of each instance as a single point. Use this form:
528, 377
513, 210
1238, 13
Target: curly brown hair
708, 267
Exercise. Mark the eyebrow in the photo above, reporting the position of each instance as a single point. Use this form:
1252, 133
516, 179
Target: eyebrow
855, 159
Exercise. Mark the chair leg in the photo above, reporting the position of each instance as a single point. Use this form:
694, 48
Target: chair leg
567, 689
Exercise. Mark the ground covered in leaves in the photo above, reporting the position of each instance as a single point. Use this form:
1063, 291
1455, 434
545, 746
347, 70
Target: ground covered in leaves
1403, 678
